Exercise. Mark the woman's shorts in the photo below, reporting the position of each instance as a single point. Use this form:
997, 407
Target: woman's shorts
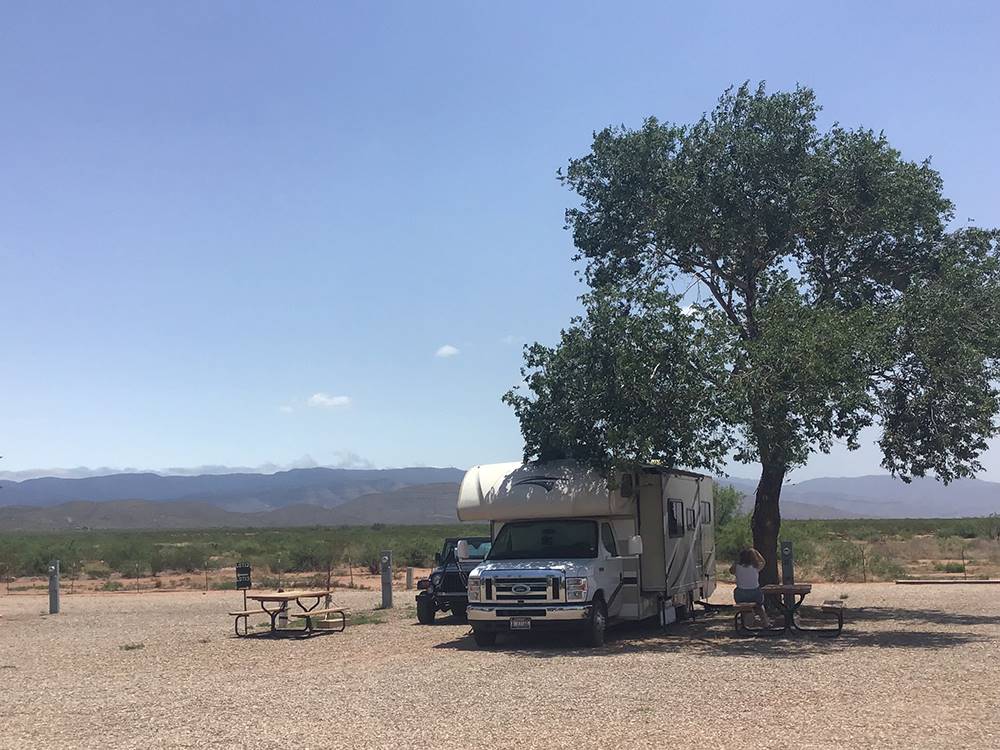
748, 595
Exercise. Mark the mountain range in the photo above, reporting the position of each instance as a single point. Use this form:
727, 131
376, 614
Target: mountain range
881, 496
322, 496
241, 492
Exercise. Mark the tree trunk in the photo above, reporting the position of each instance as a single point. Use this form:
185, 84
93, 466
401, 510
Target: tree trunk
766, 521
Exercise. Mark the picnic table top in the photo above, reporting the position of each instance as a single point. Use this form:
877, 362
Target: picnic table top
288, 596
787, 588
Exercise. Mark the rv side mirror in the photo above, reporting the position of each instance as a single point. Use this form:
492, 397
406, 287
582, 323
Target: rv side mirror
635, 545
462, 549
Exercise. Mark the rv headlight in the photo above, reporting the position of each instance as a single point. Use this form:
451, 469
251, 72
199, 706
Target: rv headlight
473, 589
576, 589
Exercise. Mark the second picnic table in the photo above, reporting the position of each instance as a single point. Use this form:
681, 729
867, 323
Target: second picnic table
283, 598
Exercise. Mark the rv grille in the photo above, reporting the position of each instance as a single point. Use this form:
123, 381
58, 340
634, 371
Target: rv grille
526, 590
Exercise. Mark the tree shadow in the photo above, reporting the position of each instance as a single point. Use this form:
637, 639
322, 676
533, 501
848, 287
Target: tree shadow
714, 635
929, 616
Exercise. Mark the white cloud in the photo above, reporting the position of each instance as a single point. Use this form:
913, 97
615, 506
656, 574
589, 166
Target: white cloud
326, 401
446, 351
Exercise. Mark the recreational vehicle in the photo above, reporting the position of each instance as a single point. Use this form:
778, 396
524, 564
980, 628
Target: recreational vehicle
573, 550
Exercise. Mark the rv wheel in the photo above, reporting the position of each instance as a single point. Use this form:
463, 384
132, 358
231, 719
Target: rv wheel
425, 610
483, 637
594, 633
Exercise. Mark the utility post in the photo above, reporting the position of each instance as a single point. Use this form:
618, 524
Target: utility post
54, 587
386, 563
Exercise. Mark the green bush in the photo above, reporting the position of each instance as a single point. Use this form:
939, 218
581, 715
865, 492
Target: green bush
884, 568
844, 562
732, 538
951, 567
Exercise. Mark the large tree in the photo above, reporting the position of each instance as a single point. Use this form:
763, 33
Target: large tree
828, 297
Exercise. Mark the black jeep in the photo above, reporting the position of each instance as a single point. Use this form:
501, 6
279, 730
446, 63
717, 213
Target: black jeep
445, 590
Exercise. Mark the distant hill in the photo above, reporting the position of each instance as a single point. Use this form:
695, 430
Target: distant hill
319, 496
419, 504
880, 496
247, 492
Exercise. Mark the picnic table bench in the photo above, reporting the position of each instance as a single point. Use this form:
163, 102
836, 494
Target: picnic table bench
245, 615
311, 614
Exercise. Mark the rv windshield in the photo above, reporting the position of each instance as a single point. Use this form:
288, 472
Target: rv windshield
536, 540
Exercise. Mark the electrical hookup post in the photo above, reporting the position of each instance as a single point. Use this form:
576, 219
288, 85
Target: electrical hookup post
386, 562
787, 563
54, 587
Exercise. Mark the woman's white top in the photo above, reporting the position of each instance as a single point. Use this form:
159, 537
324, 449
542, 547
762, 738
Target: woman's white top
747, 577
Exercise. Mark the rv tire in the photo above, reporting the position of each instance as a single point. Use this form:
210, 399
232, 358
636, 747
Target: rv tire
596, 624
484, 638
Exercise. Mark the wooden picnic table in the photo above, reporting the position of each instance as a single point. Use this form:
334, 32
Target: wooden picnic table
791, 596
283, 598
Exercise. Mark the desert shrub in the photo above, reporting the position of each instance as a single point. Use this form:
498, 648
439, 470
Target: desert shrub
884, 568
111, 586
843, 562
183, 558
417, 557
950, 567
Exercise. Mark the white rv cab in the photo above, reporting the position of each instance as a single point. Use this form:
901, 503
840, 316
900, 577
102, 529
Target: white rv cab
573, 550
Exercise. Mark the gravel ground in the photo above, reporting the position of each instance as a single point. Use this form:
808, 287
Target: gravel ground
916, 667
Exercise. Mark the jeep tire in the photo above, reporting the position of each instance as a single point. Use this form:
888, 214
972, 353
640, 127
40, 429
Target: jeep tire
425, 610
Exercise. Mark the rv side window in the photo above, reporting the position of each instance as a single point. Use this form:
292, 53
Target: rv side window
706, 512
608, 538
675, 518
691, 519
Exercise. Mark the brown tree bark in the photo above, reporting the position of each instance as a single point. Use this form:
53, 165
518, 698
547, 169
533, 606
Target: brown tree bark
766, 521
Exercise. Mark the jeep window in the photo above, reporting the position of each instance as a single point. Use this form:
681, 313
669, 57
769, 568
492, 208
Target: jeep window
528, 540
675, 518
608, 538
478, 548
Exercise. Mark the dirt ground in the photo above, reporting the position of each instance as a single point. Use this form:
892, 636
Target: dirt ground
916, 667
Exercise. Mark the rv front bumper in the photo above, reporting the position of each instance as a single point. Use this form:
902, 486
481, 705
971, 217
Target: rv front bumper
567, 613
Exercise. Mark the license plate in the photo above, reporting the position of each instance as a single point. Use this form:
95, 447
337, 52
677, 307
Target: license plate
520, 623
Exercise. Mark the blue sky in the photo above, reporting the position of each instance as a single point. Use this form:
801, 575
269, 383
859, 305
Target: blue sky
239, 233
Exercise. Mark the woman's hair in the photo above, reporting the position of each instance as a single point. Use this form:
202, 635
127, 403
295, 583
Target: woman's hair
751, 557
